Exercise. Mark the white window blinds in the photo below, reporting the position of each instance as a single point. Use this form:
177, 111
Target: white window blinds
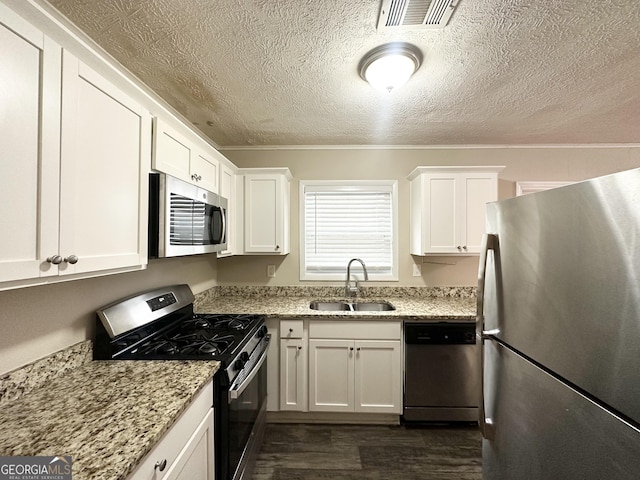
342, 222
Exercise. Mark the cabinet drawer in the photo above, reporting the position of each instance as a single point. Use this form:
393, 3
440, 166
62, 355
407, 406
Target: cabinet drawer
291, 328
356, 330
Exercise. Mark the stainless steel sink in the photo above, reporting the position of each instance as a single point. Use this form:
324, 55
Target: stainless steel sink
373, 307
330, 306
343, 306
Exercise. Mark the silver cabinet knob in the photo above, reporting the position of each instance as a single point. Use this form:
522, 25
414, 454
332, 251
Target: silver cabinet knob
351, 348
277, 247
55, 259
161, 465
459, 247
72, 259
464, 248
299, 348
291, 330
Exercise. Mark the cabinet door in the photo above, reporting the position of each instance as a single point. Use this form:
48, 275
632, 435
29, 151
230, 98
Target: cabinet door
30, 67
228, 191
205, 171
195, 461
378, 373
263, 214
331, 374
479, 189
172, 151
293, 368
442, 224
105, 158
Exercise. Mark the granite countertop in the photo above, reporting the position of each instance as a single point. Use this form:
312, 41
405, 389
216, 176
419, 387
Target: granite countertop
106, 414
281, 306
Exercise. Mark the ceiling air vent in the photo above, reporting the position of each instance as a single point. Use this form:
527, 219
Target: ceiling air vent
415, 14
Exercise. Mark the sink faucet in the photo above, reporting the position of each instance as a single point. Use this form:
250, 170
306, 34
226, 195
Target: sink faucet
352, 291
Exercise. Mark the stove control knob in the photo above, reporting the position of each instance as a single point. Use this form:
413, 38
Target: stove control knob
262, 332
239, 364
244, 356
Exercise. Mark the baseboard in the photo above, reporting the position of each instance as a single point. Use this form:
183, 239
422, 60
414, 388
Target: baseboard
334, 418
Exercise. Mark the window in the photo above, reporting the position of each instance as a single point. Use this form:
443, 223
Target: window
344, 220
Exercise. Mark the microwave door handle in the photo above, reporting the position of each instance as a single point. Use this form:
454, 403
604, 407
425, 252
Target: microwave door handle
217, 211
223, 232
212, 225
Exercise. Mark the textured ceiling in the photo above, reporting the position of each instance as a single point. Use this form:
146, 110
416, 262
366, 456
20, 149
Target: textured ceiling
265, 72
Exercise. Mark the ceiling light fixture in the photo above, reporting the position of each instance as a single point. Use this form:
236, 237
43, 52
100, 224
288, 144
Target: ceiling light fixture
389, 66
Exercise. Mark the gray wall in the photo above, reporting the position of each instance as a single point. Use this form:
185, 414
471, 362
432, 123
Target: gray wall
521, 163
37, 321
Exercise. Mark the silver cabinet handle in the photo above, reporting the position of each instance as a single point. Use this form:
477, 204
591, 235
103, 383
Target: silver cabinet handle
489, 242
161, 465
72, 259
55, 259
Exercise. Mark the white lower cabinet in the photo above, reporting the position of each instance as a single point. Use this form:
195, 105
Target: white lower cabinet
293, 366
331, 376
355, 367
186, 451
293, 374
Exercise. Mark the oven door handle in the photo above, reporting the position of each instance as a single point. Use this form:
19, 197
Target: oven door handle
236, 389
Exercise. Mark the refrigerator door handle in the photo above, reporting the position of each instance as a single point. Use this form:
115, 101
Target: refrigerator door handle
489, 242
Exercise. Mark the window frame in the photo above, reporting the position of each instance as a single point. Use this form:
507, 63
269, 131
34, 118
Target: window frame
345, 185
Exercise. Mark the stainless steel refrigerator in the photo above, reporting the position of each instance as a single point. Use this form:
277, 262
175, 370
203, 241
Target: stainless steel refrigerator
559, 319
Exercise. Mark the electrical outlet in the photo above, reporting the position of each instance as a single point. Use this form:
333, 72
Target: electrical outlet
271, 271
417, 270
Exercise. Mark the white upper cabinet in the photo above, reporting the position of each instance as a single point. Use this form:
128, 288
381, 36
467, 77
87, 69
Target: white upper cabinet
267, 194
75, 157
185, 156
103, 183
30, 93
448, 206
228, 191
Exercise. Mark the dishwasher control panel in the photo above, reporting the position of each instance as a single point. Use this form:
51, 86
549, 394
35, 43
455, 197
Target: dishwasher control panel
440, 333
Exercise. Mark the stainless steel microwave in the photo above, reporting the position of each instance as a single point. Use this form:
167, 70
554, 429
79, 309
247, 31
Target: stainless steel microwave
184, 219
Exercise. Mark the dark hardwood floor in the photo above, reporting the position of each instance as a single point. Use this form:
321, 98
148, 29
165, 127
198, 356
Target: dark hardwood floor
363, 452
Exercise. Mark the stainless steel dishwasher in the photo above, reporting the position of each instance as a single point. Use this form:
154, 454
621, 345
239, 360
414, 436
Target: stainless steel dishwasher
442, 372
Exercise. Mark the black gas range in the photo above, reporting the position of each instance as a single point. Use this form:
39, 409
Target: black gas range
161, 325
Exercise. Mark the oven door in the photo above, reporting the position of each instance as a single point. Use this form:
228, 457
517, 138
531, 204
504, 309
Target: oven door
247, 413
